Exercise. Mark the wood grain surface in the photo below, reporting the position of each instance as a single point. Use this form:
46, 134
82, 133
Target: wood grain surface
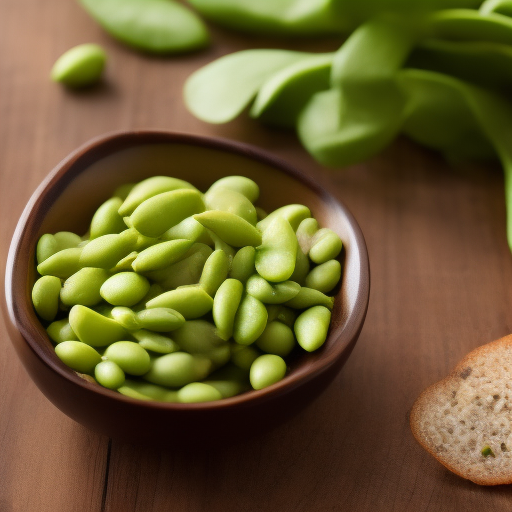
441, 285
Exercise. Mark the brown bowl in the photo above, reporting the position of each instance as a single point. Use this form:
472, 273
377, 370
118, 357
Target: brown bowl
66, 200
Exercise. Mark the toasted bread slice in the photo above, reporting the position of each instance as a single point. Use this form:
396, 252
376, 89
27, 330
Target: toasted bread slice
465, 420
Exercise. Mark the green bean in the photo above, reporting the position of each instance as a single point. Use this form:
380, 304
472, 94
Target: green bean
198, 392
125, 263
275, 257
156, 215
307, 297
155, 342
215, 272
242, 266
231, 228
105, 251
267, 370
45, 297
229, 380
83, 287
60, 331
155, 26
241, 184
191, 301
324, 277
160, 319
293, 213
106, 220
109, 374
93, 328
250, 320
160, 256
62, 264
80, 66
311, 327
124, 289
188, 229
277, 338
242, 356
145, 391
130, 357
283, 96
221, 90
48, 245
178, 369
126, 318
225, 305
325, 245
78, 356
271, 293
231, 201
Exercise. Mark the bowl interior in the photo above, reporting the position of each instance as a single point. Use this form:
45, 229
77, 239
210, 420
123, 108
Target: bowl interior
74, 190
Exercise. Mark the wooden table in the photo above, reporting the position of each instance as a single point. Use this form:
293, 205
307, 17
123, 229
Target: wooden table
441, 285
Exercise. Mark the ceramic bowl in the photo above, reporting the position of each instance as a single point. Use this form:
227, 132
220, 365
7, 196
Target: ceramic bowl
66, 201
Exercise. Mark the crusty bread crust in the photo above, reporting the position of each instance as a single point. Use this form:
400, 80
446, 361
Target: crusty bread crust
469, 411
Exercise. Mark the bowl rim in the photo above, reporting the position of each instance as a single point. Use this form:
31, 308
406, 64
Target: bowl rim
107, 144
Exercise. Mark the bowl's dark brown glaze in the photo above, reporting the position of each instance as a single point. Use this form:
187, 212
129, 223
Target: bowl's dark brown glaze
66, 200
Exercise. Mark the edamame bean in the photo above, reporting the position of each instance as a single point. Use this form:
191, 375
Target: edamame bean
231, 201
142, 390
277, 338
241, 184
125, 263
80, 66
215, 272
242, 356
267, 370
62, 264
325, 246
305, 233
156, 215
78, 356
271, 293
231, 228
301, 269
126, 317
151, 187
178, 369
143, 242
130, 357
105, 251
109, 374
225, 305
93, 328
106, 220
308, 297
188, 229
198, 392
124, 289
154, 291
311, 328
46, 246
324, 277
281, 314
160, 319
60, 331
220, 245
242, 266
191, 301
250, 320
293, 213
45, 297
160, 256
275, 257
155, 342
83, 287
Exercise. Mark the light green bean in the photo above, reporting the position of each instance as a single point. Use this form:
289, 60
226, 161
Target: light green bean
45, 297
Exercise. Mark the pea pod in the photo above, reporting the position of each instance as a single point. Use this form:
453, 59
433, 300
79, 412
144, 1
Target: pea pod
240, 184
83, 287
155, 342
160, 256
78, 356
225, 305
250, 320
155, 26
151, 187
232, 201
105, 251
62, 264
215, 272
311, 328
271, 293
221, 90
267, 370
178, 369
191, 301
231, 228
275, 257
198, 392
156, 215
45, 297
106, 220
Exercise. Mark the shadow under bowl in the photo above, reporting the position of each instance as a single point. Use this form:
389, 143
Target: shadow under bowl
66, 201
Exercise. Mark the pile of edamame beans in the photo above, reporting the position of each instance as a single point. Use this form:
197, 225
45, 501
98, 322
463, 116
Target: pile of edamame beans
179, 296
